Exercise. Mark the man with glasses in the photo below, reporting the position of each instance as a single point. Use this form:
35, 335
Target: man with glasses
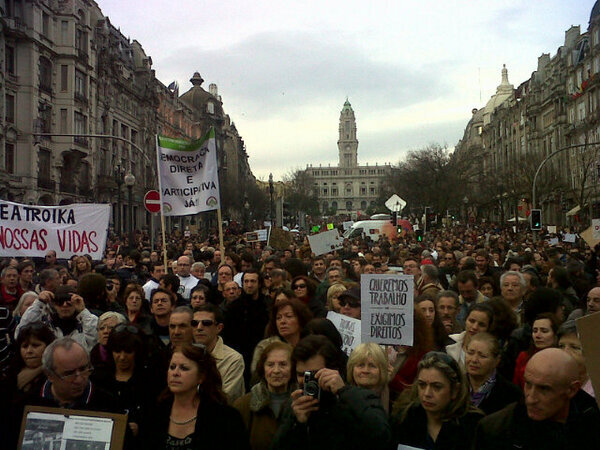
65, 313
162, 302
207, 325
187, 281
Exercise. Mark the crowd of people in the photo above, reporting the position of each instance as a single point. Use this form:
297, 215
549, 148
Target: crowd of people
232, 348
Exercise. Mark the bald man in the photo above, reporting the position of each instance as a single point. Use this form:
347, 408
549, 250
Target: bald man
555, 415
187, 281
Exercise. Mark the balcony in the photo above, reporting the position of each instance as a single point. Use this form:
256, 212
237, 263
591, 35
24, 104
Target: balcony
46, 183
82, 56
81, 97
46, 87
81, 141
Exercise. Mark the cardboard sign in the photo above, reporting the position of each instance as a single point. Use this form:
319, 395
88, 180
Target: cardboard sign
588, 237
552, 229
44, 427
315, 228
569, 238
588, 328
553, 241
349, 328
27, 230
187, 175
280, 239
330, 226
387, 302
325, 242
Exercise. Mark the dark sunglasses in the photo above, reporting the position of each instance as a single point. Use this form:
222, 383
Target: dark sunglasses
125, 327
352, 303
61, 300
205, 323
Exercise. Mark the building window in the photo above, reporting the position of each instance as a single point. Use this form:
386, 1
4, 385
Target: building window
324, 191
45, 75
63, 120
334, 206
80, 85
64, 78
363, 171
372, 191
349, 205
10, 108
45, 25
334, 192
325, 172
134, 136
10, 60
80, 128
45, 113
64, 32
44, 160
363, 191
363, 205
9, 158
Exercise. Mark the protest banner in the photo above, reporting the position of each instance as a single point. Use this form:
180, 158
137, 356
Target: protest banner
325, 242
588, 328
569, 237
349, 329
280, 239
347, 224
387, 315
187, 174
29, 231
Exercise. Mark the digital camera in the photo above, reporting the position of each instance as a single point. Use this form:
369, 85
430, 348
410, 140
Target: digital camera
311, 385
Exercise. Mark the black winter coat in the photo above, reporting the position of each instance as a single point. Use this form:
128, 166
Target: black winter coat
503, 394
352, 419
456, 434
511, 428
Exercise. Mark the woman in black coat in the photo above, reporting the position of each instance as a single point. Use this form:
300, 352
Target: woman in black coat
489, 391
437, 414
193, 413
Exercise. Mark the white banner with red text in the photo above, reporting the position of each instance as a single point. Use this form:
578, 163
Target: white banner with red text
29, 230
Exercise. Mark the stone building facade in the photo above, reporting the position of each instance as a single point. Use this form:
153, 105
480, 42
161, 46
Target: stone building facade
554, 111
348, 188
65, 69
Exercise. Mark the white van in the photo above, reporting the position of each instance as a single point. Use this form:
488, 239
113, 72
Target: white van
371, 228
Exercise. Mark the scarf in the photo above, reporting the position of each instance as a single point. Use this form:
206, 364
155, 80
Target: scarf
484, 390
26, 376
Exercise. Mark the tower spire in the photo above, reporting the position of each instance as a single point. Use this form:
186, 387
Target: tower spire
347, 142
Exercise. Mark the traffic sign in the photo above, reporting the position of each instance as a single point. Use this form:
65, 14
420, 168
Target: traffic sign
395, 203
152, 201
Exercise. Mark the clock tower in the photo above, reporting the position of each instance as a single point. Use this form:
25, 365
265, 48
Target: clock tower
347, 142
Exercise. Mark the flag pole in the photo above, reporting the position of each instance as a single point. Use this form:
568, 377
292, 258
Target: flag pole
221, 245
162, 215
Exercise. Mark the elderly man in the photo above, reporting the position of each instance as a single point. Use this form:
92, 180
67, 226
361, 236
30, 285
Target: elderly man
208, 324
187, 281
512, 289
49, 280
430, 281
555, 414
199, 270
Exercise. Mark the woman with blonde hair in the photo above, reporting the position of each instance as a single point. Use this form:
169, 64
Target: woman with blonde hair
333, 293
436, 413
368, 368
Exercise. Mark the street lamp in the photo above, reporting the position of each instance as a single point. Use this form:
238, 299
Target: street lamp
129, 182
466, 202
246, 211
118, 216
271, 194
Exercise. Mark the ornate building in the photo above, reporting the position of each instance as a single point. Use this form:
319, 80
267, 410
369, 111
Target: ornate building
65, 69
348, 188
555, 111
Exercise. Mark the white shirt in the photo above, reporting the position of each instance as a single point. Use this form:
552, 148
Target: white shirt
186, 284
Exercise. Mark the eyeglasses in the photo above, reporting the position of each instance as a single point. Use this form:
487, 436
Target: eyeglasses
352, 303
299, 286
204, 322
71, 375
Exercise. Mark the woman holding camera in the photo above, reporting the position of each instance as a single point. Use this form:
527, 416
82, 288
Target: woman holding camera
261, 407
437, 414
193, 412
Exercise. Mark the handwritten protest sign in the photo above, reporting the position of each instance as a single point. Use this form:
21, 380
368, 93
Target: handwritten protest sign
569, 237
325, 242
188, 178
588, 237
27, 230
387, 315
256, 236
349, 328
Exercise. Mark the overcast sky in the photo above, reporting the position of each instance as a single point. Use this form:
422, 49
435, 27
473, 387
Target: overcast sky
412, 70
